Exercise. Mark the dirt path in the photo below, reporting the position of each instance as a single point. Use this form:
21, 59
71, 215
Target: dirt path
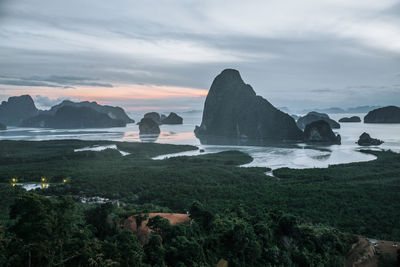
143, 232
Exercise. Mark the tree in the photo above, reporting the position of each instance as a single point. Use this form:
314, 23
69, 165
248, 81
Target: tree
3, 245
155, 252
44, 231
33, 226
101, 220
128, 250
186, 252
287, 224
159, 225
241, 247
199, 214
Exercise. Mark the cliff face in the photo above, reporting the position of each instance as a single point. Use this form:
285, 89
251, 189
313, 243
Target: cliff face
390, 114
17, 109
233, 110
320, 132
148, 126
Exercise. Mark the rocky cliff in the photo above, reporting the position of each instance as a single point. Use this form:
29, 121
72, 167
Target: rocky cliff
148, 126
366, 140
320, 132
17, 109
233, 111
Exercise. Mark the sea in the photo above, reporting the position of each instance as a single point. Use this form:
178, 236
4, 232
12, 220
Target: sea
292, 156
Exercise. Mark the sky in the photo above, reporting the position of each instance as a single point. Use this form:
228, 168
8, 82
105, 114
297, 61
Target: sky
164, 54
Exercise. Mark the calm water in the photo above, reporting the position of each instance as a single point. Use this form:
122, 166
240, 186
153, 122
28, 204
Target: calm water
298, 156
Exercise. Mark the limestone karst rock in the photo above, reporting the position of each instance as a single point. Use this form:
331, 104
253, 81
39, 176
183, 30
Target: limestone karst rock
233, 111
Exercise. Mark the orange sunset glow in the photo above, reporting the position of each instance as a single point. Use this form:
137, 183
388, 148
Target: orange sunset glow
119, 91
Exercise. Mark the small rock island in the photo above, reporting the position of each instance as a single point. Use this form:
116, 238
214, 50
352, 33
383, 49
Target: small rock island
366, 140
148, 126
350, 119
172, 118
320, 132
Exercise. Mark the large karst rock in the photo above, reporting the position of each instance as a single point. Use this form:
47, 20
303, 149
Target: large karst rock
71, 117
366, 140
350, 119
316, 116
233, 111
320, 132
116, 113
390, 114
17, 109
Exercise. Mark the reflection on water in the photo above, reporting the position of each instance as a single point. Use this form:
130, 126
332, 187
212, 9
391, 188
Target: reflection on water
286, 155
321, 157
148, 138
101, 148
277, 157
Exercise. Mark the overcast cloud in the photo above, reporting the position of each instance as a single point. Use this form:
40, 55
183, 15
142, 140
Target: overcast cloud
300, 54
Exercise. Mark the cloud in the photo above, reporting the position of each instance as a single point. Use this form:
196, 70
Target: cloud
322, 90
18, 82
65, 82
284, 49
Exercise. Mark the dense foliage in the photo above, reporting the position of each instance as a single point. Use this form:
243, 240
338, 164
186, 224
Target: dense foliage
361, 198
239, 214
58, 232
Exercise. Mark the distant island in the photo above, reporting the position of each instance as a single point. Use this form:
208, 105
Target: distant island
73, 117
172, 118
21, 111
390, 114
16, 109
350, 119
336, 110
313, 116
116, 113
